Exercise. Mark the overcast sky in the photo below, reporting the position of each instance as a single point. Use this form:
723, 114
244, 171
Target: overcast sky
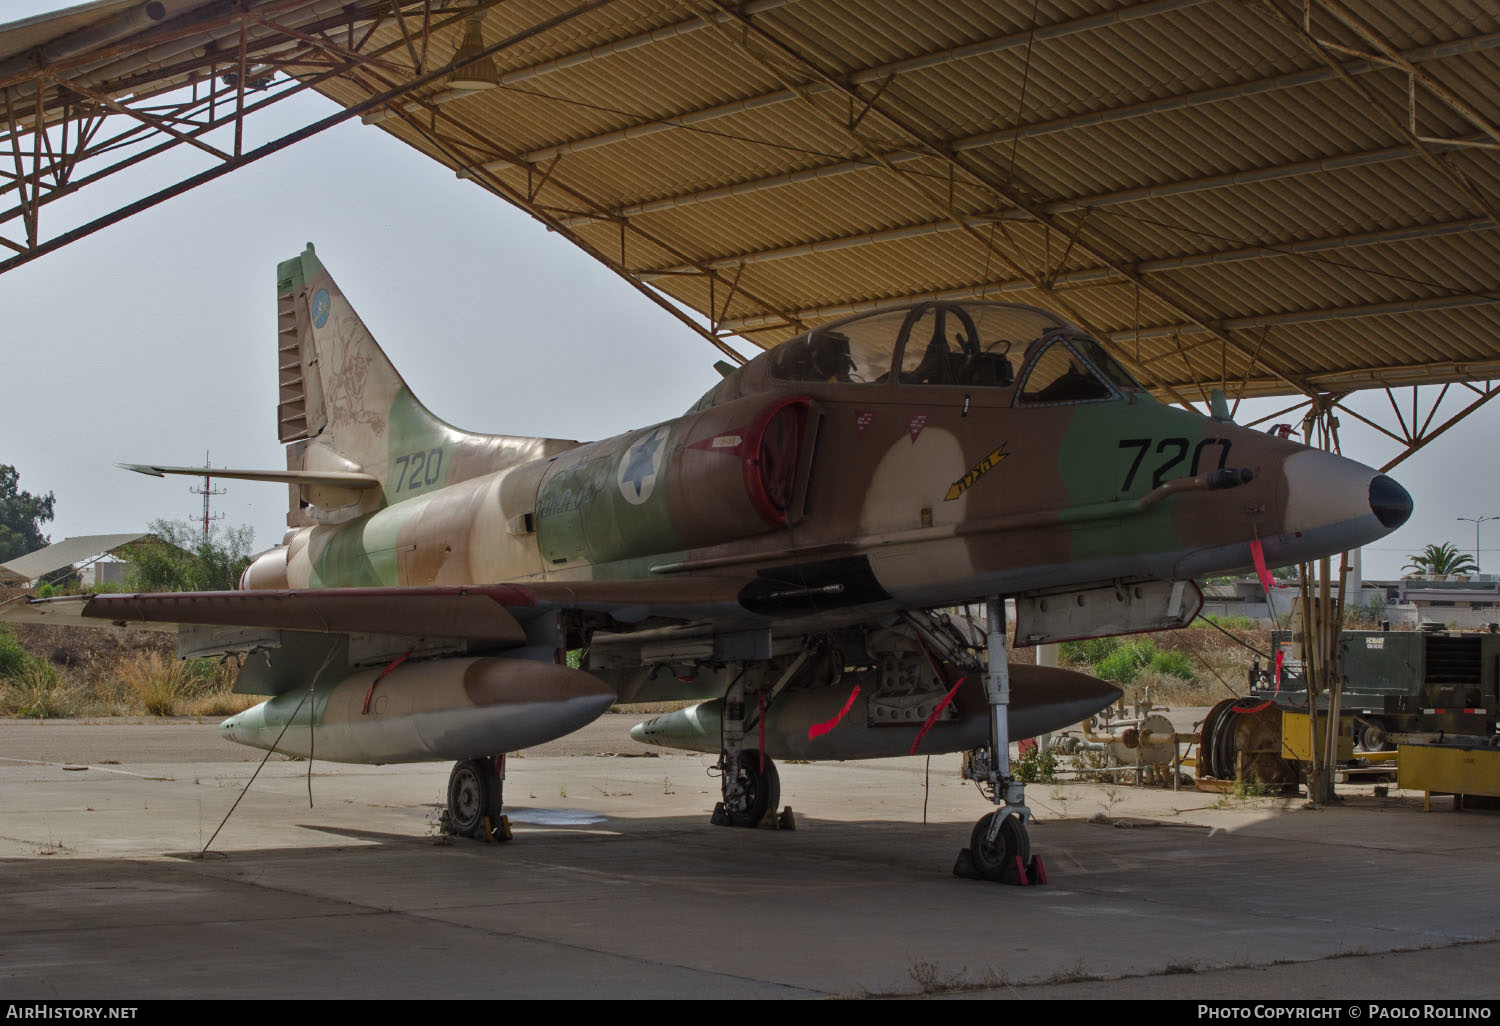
152, 340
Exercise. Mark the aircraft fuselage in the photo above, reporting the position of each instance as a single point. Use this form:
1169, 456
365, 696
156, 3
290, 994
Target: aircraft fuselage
865, 494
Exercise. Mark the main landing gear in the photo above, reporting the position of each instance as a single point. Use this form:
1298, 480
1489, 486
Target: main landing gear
753, 789
999, 846
476, 789
748, 778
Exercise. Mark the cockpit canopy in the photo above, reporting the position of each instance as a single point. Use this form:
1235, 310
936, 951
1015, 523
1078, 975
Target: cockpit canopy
970, 345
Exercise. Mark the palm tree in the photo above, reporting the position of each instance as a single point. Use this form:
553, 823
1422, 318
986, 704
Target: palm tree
1439, 560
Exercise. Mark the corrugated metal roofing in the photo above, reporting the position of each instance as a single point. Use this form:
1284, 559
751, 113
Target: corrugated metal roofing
65, 553
1229, 193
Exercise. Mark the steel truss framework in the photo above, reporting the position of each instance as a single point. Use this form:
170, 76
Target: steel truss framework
1190, 303
62, 132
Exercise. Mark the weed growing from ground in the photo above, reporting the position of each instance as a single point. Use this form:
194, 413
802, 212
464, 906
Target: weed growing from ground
36, 690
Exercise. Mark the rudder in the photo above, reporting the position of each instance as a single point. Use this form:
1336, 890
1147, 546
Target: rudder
335, 381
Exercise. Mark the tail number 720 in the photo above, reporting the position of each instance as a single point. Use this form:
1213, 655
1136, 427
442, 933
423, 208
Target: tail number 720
418, 469
1174, 451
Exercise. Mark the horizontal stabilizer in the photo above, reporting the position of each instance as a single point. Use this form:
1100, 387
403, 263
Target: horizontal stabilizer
325, 478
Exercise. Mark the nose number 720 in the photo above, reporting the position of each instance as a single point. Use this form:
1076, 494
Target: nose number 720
1175, 450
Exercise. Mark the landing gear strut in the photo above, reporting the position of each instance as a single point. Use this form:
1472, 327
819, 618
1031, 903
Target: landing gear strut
476, 790
749, 779
999, 846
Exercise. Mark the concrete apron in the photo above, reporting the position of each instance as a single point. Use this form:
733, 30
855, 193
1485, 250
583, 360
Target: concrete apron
616, 885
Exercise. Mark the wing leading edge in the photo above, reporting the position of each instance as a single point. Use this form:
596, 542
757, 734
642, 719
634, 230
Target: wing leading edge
492, 613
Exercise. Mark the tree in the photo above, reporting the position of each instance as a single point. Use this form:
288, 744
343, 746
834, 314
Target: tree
21, 516
180, 558
1442, 559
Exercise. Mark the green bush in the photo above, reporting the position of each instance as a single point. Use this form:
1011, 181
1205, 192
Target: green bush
1125, 663
1229, 623
1173, 663
13, 658
1089, 650
1037, 766
179, 558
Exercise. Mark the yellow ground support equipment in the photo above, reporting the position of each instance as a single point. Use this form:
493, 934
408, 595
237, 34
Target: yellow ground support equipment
1459, 768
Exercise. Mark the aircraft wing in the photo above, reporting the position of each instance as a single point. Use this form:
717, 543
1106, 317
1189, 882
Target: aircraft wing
65, 611
492, 613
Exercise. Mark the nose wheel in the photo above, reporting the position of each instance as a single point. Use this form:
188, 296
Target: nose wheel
996, 849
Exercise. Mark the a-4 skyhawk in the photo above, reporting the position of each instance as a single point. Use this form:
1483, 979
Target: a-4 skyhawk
784, 551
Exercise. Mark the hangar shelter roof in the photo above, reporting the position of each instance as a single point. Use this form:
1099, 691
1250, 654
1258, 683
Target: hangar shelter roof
67, 552
1268, 196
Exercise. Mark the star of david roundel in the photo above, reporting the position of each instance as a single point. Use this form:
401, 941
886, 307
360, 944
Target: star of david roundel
640, 465
321, 304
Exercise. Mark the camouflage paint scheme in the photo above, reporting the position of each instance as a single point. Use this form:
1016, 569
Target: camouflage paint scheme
907, 494
788, 539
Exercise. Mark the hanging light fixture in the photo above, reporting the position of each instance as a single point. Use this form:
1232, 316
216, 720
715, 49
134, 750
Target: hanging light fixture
477, 74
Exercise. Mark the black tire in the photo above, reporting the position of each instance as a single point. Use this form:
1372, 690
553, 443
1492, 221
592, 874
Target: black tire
473, 795
1371, 737
1226, 763
994, 859
1207, 754
762, 791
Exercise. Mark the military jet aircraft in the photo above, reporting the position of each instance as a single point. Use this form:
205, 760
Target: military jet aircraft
795, 549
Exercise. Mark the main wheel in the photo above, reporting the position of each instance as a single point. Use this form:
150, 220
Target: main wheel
473, 794
762, 790
993, 858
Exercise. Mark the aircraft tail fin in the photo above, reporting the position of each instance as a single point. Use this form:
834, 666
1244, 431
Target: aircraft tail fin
335, 381
343, 409
342, 405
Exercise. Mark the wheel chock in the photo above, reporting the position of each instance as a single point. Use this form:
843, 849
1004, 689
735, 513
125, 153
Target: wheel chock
720, 817
497, 833
1037, 871
964, 868
1017, 874
784, 820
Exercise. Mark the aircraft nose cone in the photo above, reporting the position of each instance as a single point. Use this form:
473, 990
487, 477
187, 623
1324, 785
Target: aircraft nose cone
1390, 502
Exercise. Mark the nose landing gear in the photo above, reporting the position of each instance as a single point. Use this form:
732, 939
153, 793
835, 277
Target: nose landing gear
999, 846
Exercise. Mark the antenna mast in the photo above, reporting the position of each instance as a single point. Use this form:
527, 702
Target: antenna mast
207, 491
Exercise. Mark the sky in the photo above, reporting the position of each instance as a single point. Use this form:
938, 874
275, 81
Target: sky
152, 340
